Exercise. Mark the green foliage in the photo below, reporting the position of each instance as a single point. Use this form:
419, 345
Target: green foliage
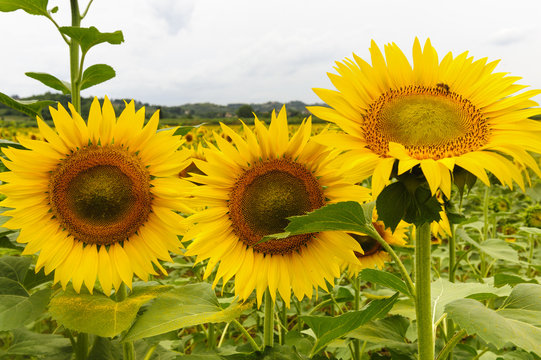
18, 305
416, 205
96, 74
180, 307
98, 314
245, 111
344, 216
386, 279
28, 343
51, 81
327, 329
90, 37
31, 108
492, 327
33, 7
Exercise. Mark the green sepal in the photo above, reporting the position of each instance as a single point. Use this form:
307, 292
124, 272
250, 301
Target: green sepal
51, 81
463, 178
96, 74
408, 201
89, 37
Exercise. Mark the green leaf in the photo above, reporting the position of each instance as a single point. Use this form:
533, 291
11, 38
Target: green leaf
180, 307
50, 81
96, 74
524, 296
443, 292
183, 130
33, 7
386, 279
98, 314
342, 216
389, 333
33, 344
509, 279
31, 108
7, 143
492, 327
497, 249
328, 329
89, 37
16, 310
14, 267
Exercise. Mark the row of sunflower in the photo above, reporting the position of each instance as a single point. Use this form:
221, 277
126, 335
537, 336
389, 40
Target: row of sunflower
112, 197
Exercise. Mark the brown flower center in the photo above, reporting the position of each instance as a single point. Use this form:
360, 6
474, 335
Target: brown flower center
431, 122
265, 195
100, 195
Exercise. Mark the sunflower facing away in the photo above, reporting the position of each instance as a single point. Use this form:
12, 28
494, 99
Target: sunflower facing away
435, 114
95, 200
374, 255
250, 186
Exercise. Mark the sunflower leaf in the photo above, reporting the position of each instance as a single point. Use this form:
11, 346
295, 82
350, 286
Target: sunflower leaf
32, 344
50, 81
498, 249
386, 279
183, 306
328, 329
33, 7
8, 143
491, 326
96, 74
98, 314
342, 216
31, 108
17, 310
89, 37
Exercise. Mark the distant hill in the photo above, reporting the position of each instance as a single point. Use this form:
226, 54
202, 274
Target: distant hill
186, 113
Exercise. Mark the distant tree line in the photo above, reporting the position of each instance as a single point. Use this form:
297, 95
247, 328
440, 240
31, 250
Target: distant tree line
187, 113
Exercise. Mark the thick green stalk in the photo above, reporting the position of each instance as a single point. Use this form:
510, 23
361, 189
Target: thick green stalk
211, 337
452, 254
74, 58
268, 323
81, 352
356, 306
128, 349
423, 299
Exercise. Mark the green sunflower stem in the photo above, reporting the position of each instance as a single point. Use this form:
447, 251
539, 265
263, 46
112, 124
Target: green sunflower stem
356, 306
74, 58
211, 337
81, 351
268, 323
423, 298
128, 350
452, 254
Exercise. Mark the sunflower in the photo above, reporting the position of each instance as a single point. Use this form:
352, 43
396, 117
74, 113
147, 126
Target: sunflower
96, 199
437, 115
374, 255
250, 186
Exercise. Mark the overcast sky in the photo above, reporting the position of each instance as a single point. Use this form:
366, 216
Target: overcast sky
231, 51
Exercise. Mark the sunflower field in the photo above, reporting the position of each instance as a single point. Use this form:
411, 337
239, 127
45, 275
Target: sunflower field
405, 227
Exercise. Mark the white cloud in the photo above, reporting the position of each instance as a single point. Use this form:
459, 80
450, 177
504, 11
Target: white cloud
179, 51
